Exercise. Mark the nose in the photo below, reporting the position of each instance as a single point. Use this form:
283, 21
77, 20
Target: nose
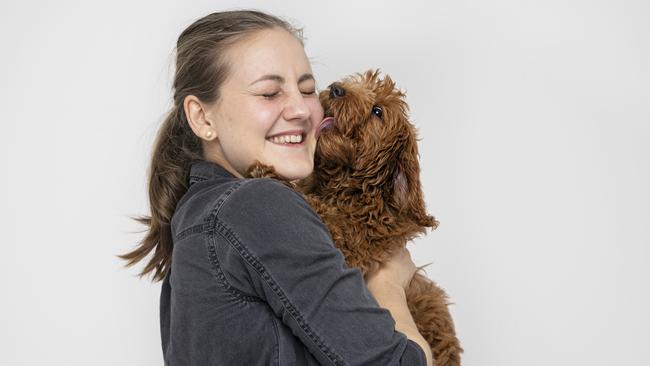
336, 91
295, 107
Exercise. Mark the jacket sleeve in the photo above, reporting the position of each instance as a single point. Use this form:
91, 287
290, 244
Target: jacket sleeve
281, 251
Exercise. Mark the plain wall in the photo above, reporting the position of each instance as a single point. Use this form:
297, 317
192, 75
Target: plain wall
534, 119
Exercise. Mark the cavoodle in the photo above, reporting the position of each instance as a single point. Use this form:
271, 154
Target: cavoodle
366, 188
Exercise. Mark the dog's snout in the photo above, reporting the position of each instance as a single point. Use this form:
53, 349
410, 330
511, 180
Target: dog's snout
336, 91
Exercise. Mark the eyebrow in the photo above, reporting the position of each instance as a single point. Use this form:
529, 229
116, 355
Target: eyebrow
280, 79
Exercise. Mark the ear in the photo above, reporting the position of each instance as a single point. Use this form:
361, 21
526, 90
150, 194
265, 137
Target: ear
195, 112
407, 192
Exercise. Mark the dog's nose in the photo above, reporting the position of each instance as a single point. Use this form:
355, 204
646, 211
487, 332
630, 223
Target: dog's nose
336, 91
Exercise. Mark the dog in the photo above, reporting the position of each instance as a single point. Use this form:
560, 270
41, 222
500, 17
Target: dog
366, 188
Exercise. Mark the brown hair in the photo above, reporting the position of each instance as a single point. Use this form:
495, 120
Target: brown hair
201, 68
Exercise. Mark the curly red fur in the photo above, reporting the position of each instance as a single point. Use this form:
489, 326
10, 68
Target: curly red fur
366, 188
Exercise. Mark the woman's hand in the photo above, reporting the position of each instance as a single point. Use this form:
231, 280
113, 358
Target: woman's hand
388, 285
397, 271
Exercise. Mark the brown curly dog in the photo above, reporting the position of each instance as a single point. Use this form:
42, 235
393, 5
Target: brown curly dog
366, 188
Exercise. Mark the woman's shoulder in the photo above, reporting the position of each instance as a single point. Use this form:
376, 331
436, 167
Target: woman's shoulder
265, 193
265, 201
255, 201
268, 190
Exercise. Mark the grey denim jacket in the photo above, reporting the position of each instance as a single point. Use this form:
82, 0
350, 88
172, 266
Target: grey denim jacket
255, 279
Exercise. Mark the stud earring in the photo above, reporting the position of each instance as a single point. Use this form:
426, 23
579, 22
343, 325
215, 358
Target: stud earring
208, 134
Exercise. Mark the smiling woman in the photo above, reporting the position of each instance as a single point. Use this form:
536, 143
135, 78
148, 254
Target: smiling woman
271, 118
250, 273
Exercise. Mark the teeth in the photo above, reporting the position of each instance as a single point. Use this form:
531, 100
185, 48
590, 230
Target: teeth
286, 139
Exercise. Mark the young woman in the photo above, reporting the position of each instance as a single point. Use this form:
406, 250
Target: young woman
250, 273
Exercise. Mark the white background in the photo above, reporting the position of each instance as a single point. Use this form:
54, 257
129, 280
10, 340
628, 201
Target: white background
534, 119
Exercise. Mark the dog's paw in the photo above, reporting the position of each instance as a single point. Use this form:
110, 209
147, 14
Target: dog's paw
259, 170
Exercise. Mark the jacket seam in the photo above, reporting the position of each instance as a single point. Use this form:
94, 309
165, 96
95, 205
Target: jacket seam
196, 229
212, 252
197, 178
251, 260
277, 338
221, 277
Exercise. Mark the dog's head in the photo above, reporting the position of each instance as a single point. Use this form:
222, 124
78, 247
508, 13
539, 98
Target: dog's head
368, 134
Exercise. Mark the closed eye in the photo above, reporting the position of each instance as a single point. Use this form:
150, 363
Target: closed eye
273, 95
270, 96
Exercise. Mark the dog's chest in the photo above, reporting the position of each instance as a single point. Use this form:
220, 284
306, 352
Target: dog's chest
364, 234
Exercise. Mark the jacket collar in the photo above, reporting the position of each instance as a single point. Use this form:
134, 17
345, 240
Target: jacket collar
201, 170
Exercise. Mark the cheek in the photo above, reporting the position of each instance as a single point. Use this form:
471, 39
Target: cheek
316, 109
263, 114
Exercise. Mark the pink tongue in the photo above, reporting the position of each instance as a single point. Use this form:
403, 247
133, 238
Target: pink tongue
325, 123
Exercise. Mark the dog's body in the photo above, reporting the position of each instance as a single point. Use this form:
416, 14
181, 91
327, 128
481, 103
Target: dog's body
366, 188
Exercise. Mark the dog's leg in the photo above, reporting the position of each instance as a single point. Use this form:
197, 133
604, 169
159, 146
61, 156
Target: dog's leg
429, 306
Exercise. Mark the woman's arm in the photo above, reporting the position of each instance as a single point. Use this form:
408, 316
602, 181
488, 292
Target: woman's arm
274, 246
392, 297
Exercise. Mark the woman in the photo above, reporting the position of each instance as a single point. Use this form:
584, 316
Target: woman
251, 275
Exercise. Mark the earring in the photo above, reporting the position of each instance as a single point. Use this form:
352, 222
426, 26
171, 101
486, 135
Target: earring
208, 134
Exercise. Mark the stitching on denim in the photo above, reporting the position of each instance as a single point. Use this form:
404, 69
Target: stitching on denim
196, 229
198, 178
200, 227
221, 277
222, 199
212, 251
288, 305
277, 337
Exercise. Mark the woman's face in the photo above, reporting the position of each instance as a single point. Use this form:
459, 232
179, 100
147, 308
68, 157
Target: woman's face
268, 100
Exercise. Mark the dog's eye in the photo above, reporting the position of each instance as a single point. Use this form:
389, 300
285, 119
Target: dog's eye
376, 110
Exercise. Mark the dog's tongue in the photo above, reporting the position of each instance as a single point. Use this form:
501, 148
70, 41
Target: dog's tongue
325, 124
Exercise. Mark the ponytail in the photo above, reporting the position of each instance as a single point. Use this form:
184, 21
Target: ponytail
175, 149
201, 69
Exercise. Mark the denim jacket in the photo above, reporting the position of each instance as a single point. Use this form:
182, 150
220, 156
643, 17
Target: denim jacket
255, 279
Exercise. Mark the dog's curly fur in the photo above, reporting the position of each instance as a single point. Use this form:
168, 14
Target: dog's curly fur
366, 188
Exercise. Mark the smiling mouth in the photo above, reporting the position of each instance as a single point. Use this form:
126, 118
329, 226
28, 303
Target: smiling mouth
288, 140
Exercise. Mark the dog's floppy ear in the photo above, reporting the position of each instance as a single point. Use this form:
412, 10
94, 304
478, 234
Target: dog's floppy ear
407, 192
